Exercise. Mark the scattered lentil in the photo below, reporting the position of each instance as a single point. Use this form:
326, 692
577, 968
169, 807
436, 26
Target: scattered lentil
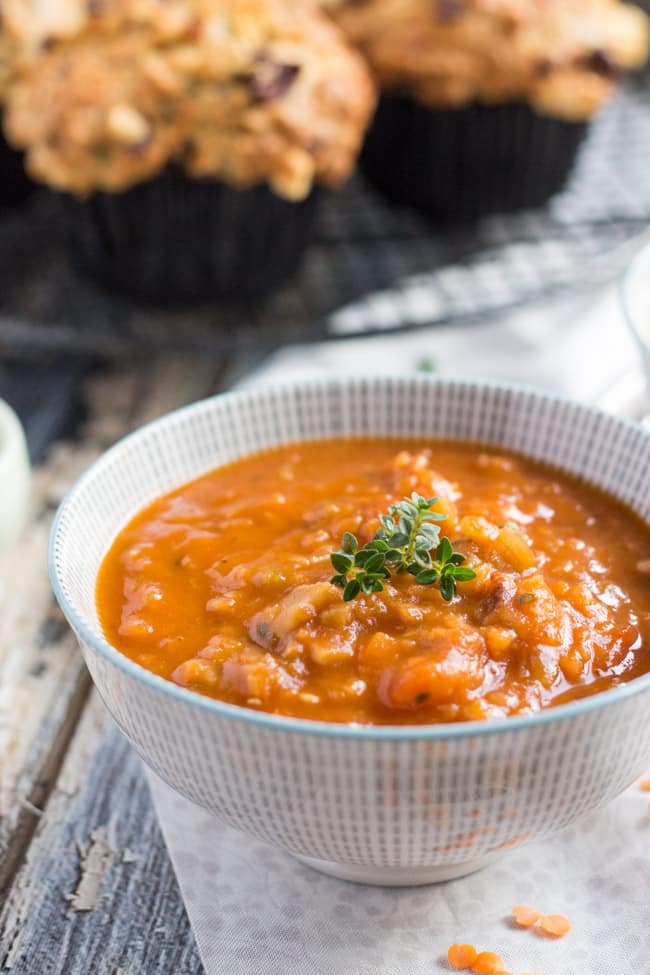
462, 956
487, 963
555, 925
525, 917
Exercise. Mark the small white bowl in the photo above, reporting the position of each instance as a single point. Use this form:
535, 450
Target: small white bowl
14, 477
635, 297
383, 805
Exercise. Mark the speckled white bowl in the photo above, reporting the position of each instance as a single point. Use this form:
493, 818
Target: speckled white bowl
387, 805
14, 476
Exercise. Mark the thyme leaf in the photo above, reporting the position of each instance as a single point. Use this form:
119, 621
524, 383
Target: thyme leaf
408, 540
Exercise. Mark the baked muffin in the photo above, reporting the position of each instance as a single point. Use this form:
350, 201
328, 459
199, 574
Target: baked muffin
189, 137
485, 102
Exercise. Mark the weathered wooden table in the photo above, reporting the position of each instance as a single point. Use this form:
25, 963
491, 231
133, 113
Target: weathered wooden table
86, 887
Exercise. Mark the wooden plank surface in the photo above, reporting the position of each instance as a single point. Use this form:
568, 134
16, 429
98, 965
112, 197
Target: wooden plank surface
46, 395
79, 793
42, 679
97, 894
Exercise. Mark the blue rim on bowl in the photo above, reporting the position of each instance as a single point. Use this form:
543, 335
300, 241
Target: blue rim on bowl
301, 725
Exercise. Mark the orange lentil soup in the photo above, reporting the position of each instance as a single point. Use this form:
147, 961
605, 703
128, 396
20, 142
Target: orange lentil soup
223, 586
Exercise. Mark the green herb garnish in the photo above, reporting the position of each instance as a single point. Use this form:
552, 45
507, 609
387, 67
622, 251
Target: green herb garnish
425, 364
408, 541
528, 597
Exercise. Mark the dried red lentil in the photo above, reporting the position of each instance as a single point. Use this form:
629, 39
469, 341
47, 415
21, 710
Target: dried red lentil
487, 963
462, 956
555, 925
525, 916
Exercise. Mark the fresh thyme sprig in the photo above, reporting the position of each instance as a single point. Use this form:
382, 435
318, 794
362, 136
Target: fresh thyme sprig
405, 542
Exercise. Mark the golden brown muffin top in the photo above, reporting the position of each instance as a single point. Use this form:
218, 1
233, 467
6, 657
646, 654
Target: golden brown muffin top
245, 91
29, 26
562, 56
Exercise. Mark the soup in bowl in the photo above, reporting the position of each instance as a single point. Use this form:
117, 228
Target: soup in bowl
395, 627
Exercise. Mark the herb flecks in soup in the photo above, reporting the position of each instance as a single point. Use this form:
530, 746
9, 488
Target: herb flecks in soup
224, 586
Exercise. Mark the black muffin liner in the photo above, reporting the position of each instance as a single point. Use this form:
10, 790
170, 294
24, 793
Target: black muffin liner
174, 239
15, 184
457, 165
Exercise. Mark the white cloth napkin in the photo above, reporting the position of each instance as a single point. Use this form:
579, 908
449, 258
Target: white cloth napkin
256, 911
579, 347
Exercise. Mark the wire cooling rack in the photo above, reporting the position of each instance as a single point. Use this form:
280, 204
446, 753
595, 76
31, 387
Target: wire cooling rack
371, 268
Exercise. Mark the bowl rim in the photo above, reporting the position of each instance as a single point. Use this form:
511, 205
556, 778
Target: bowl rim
625, 284
306, 726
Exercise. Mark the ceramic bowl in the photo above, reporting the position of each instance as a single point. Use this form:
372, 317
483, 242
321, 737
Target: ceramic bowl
14, 477
386, 805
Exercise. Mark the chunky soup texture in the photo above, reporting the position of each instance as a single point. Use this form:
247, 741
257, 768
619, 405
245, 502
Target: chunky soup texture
223, 586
